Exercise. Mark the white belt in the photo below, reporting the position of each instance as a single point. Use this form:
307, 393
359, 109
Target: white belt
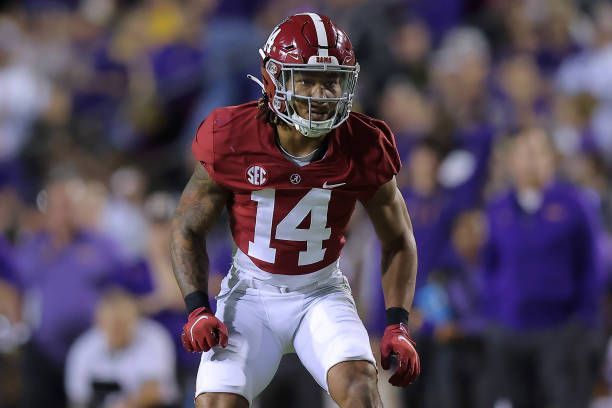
259, 279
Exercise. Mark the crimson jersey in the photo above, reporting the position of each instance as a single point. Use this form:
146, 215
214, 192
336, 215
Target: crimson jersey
289, 219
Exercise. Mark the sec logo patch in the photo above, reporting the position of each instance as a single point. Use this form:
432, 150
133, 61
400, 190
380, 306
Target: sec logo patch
257, 175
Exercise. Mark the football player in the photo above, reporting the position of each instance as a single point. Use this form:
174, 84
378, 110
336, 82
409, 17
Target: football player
290, 168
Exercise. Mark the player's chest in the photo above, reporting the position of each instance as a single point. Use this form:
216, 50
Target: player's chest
297, 205
287, 186
271, 187
259, 170
287, 219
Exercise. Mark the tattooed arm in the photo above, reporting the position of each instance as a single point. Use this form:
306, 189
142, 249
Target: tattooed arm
199, 208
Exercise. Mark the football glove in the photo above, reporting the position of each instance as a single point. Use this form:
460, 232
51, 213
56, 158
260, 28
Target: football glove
203, 331
397, 343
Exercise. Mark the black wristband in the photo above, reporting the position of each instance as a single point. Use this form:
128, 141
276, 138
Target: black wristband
195, 300
397, 315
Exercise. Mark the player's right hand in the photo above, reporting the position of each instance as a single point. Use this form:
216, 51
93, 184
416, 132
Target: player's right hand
203, 331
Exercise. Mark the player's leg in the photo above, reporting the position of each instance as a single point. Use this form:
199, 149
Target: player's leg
221, 400
333, 345
233, 376
354, 384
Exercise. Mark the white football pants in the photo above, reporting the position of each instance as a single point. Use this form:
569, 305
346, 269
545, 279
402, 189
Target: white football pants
268, 315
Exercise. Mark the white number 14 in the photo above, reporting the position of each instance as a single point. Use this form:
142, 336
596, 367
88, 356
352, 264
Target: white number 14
315, 203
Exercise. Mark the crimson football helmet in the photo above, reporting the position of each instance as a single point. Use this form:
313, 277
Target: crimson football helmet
305, 44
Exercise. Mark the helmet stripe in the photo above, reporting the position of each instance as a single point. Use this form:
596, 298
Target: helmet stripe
321, 33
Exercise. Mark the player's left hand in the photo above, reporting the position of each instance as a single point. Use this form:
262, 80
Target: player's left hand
396, 342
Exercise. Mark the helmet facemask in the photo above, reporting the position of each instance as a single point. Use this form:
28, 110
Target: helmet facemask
313, 98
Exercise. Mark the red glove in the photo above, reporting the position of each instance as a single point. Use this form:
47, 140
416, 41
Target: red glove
203, 331
396, 342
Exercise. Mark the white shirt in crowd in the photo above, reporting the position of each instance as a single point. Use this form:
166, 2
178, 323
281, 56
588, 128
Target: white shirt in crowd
150, 357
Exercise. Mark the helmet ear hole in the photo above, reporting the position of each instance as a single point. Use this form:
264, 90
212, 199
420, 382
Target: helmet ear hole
272, 68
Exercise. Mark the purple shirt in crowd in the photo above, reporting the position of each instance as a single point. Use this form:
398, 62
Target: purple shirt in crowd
432, 219
433, 216
466, 295
542, 267
66, 284
440, 16
7, 266
477, 140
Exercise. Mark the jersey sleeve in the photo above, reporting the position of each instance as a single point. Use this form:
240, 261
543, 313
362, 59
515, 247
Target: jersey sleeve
224, 141
382, 160
390, 162
203, 146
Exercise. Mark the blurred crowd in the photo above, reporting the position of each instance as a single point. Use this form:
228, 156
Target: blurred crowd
502, 112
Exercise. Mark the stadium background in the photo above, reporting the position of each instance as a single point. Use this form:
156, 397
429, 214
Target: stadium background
104, 96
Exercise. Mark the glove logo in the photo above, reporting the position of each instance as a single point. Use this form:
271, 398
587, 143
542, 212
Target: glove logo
402, 338
194, 324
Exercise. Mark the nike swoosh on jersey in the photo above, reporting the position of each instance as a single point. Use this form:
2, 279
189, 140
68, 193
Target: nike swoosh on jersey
325, 185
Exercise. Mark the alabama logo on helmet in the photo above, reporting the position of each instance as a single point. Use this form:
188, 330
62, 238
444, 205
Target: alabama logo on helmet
257, 175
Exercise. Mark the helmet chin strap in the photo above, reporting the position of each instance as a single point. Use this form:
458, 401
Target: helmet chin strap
257, 81
317, 129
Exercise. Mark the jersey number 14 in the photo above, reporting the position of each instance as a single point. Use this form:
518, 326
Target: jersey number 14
315, 203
